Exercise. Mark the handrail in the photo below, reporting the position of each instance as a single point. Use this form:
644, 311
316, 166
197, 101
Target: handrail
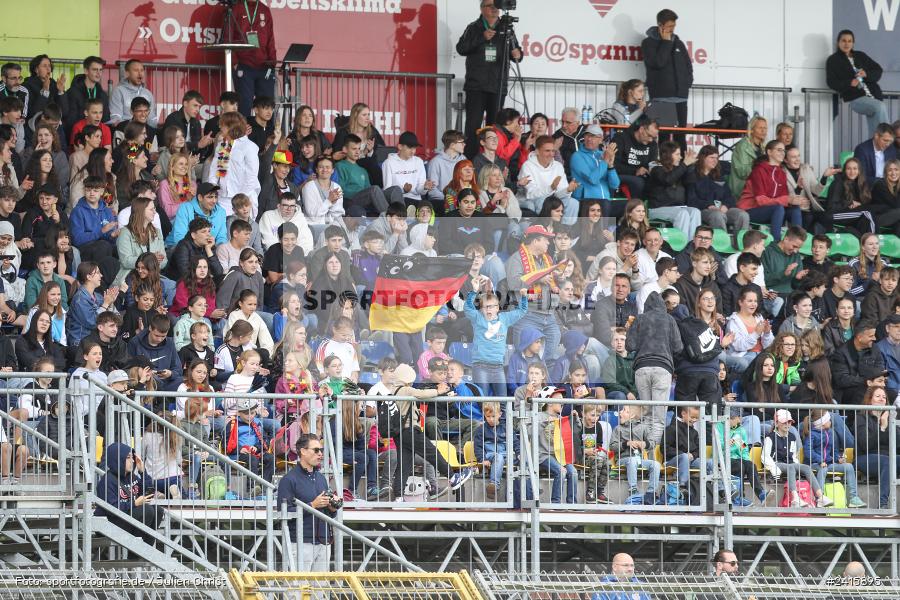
810, 90
598, 82
118, 514
318, 71
185, 435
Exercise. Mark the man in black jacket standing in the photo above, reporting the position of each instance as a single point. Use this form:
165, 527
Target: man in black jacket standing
483, 46
670, 74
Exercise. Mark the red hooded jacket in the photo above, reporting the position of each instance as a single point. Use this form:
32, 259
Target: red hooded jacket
767, 185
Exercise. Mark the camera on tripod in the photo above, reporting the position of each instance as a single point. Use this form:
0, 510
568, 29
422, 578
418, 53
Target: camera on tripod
505, 22
505, 5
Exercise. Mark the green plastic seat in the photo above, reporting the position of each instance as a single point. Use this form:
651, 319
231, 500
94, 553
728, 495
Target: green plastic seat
806, 248
844, 244
890, 245
676, 238
722, 242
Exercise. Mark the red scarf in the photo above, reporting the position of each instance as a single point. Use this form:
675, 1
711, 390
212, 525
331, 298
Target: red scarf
530, 265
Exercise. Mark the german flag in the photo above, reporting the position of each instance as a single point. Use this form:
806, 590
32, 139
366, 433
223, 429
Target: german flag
409, 290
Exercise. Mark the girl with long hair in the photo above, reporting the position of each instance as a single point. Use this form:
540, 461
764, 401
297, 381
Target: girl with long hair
99, 164
848, 200
635, 217
305, 127
46, 138
706, 192
497, 199
88, 139
141, 237
885, 205
868, 265
38, 342
244, 309
146, 272
179, 185
360, 124
839, 330
766, 196
41, 169
197, 281
786, 349
752, 333
872, 430
174, 143
463, 178
294, 341
630, 102
50, 301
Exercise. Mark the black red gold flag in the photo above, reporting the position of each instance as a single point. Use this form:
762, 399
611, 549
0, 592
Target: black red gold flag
409, 290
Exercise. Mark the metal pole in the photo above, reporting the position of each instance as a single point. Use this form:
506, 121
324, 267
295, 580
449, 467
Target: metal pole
806, 109
270, 530
892, 454
536, 504
229, 78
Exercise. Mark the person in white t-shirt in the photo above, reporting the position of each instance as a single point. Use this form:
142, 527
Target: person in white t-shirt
666, 275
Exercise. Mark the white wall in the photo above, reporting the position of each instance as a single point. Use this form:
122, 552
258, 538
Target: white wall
778, 43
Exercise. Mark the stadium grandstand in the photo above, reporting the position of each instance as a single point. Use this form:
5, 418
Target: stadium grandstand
437, 310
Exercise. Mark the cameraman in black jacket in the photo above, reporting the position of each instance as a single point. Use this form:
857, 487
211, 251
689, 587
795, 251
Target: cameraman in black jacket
483, 44
670, 74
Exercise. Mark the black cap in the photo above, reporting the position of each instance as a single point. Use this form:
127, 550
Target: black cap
207, 188
49, 189
409, 139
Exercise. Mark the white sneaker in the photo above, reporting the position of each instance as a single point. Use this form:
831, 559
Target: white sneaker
824, 501
174, 492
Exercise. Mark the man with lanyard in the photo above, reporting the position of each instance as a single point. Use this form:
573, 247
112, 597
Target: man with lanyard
255, 71
483, 47
85, 87
521, 268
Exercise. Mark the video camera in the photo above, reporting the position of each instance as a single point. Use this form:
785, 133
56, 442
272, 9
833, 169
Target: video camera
506, 22
505, 5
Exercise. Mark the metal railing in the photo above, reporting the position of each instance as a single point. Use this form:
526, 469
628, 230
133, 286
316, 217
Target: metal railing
677, 586
830, 126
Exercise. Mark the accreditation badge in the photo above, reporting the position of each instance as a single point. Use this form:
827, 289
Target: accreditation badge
253, 39
490, 53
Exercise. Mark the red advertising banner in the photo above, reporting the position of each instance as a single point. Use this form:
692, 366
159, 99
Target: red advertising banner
370, 35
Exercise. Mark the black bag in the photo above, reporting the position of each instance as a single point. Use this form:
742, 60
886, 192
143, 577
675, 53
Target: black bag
701, 344
733, 117
388, 414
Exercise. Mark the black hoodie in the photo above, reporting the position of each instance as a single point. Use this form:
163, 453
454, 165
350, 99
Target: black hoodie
77, 99
654, 336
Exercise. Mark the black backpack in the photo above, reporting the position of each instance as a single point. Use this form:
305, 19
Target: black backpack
701, 343
388, 415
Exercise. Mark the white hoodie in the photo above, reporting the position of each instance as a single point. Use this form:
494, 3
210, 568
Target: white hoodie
399, 172
541, 178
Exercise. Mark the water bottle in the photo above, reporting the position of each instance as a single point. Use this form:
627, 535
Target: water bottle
590, 114
584, 114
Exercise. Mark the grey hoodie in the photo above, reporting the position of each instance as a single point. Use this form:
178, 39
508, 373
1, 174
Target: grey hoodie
637, 430
654, 337
393, 243
440, 171
120, 102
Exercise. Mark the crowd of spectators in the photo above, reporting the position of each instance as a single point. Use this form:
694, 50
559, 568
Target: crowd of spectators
231, 256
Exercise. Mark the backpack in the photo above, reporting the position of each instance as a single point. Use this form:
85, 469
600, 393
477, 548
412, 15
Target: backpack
701, 344
284, 443
804, 490
414, 491
388, 416
733, 117
212, 482
671, 497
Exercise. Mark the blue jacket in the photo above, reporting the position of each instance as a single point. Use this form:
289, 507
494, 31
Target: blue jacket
613, 595
490, 337
300, 484
821, 447
87, 223
468, 409
187, 212
490, 440
81, 319
891, 355
162, 357
865, 153
595, 179
118, 488
517, 369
